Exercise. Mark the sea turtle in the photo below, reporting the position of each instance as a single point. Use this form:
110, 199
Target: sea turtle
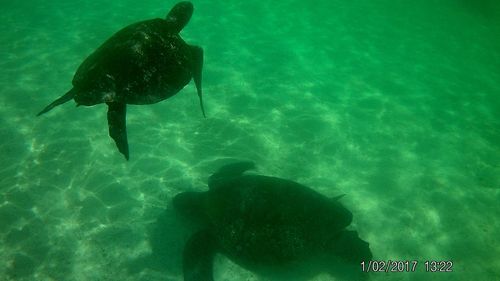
265, 223
144, 63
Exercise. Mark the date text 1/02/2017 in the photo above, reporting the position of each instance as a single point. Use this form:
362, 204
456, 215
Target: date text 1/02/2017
406, 266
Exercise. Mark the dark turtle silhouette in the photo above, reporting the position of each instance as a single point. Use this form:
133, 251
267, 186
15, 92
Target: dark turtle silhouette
263, 222
144, 63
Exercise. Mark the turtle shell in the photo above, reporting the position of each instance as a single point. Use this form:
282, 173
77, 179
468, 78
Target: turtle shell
143, 63
260, 219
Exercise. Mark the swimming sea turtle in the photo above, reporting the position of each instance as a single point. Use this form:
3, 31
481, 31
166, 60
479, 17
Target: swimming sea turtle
144, 63
263, 222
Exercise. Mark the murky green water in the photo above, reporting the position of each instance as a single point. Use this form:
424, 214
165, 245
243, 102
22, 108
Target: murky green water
394, 104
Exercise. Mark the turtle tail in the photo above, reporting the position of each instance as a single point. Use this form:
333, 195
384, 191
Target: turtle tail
65, 98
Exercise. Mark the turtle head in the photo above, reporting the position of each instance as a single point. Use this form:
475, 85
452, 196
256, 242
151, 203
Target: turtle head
179, 16
191, 205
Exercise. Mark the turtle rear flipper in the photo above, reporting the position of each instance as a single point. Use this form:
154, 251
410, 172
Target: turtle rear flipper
197, 261
118, 127
65, 98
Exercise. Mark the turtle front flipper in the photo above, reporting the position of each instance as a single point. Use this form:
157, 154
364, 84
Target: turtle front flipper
117, 113
198, 257
197, 67
229, 171
65, 98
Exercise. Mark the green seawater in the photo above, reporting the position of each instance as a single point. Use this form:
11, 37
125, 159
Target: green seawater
394, 103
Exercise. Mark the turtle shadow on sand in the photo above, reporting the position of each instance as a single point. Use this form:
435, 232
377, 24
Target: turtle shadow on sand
143, 63
274, 227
